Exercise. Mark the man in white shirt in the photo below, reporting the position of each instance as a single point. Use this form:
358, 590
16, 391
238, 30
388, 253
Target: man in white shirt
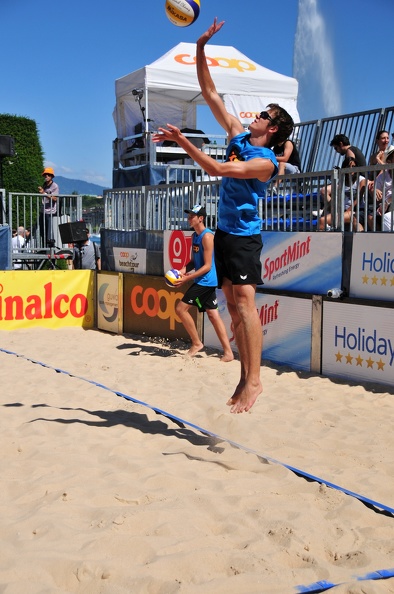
18, 243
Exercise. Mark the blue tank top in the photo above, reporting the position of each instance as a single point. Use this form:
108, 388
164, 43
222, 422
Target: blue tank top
209, 279
237, 213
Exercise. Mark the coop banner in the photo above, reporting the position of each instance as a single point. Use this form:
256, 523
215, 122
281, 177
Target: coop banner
302, 262
285, 325
49, 299
358, 342
372, 270
149, 308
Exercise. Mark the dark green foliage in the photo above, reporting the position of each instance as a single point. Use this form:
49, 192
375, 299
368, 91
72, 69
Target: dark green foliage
92, 202
22, 173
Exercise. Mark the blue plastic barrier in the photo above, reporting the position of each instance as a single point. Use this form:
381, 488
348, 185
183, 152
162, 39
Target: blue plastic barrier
5, 247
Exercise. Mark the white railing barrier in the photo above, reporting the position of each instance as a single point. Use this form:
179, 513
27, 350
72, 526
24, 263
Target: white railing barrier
293, 203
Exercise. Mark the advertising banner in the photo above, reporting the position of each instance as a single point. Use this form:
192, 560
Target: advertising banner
46, 299
130, 259
109, 302
372, 270
358, 342
286, 324
177, 248
149, 308
302, 262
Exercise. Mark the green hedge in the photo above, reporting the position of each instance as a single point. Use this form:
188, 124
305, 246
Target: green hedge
22, 173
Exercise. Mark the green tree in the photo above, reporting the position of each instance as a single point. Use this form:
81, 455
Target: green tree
22, 173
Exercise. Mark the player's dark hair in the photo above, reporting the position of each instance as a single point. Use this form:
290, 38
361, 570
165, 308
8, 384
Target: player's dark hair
283, 120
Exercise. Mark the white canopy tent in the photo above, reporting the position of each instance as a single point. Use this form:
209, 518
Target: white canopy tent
168, 91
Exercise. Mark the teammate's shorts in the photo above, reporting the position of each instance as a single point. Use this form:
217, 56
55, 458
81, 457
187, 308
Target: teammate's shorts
237, 257
202, 297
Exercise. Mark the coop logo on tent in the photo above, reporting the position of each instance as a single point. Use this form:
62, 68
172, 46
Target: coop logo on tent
240, 65
249, 114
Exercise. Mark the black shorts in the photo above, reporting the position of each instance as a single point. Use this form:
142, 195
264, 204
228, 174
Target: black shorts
237, 257
202, 297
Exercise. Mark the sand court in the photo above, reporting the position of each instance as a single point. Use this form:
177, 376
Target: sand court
103, 495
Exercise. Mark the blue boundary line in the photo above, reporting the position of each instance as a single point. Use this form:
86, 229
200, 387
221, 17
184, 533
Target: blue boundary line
179, 420
316, 587
323, 586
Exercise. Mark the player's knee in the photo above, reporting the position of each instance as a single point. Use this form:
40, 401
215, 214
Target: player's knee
212, 314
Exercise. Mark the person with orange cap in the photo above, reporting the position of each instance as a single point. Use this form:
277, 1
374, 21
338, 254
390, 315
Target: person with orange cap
50, 194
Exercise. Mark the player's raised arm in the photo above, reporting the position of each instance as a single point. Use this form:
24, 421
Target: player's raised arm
208, 89
260, 168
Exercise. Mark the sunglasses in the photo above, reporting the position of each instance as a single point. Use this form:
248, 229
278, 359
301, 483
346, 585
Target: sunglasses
264, 115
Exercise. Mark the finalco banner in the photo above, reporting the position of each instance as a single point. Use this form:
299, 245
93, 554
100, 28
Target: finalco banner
285, 324
358, 342
372, 272
302, 262
48, 299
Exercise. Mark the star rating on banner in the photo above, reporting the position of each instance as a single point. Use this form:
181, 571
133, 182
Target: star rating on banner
358, 361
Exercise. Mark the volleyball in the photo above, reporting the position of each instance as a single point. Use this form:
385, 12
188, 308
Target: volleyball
182, 13
171, 276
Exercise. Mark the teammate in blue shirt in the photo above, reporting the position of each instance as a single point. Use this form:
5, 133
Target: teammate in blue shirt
250, 164
202, 293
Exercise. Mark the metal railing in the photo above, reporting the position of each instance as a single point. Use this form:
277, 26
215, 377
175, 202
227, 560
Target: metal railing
300, 202
312, 139
25, 210
42, 235
3, 220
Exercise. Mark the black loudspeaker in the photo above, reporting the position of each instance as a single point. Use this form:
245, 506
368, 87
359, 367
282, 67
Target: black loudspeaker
73, 232
7, 148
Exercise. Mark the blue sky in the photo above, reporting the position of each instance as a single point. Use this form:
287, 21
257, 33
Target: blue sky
60, 60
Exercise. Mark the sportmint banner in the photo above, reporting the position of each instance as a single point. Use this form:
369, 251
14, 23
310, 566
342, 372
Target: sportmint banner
302, 262
285, 324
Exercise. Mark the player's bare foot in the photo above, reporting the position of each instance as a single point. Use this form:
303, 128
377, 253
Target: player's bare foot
227, 357
231, 401
194, 349
245, 398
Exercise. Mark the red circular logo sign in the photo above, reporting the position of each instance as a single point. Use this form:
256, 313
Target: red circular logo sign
179, 249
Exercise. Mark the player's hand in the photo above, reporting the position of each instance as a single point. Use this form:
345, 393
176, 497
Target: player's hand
213, 29
180, 281
170, 133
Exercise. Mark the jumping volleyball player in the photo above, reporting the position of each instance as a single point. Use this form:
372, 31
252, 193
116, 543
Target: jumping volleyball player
250, 165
